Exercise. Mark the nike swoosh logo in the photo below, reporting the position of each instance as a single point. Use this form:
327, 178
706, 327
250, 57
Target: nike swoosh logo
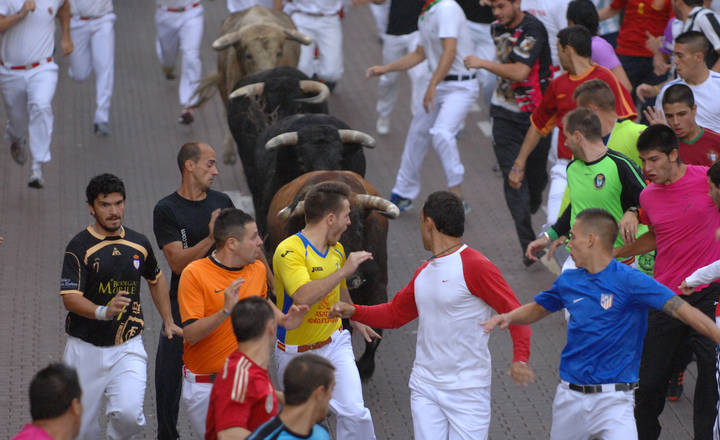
577, 300
219, 291
444, 281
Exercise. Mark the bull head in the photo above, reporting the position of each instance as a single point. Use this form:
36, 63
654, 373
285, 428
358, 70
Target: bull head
367, 201
346, 136
227, 40
307, 86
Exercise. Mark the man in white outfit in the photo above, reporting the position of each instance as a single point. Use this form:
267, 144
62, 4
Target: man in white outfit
445, 42
240, 5
92, 28
28, 75
179, 26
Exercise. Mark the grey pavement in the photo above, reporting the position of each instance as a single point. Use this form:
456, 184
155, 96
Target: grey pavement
141, 149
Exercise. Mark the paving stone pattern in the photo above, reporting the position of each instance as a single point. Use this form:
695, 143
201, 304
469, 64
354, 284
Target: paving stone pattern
141, 149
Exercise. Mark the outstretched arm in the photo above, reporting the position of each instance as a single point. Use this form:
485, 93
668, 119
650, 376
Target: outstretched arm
524, 315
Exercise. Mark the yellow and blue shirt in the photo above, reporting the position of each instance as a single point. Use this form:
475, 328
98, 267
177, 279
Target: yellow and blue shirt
297, 262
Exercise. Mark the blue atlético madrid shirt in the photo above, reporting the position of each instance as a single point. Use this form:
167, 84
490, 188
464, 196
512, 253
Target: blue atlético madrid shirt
608, 321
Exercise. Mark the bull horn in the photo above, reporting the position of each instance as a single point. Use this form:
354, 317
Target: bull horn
248, 91
374, 202
321, 91
282, 140
227, 40
293, 34
358, 137
288, 212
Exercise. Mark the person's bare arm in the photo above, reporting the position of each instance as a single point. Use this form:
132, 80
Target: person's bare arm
235, 433
178, 257
366, 331
409, 61
621, 76
8, 21
78, 304
512, 71
64, 16
313, 291
517, 173
523, 315
607, 12
679, 309
644, 244
161, 297
446, 59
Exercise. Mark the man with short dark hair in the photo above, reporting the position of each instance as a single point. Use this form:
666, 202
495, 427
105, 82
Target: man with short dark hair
689, 57
694, 16
308, 382
183, 224
682, 217
207, 292
55, 405
523, 70
608, 304
310, 269
456, 288
243, 397
698, 145
100, 288
574, 50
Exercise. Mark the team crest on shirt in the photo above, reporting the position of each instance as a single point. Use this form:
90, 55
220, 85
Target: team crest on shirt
606, 300
136, 261
269, 401
712, 155
599, 181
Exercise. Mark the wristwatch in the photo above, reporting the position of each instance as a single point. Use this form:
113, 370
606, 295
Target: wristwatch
635, 210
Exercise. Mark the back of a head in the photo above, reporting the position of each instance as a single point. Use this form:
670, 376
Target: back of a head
584, 13
52, 391
189, 151
678, 93
250, 317
578, 37
447, 212
586, 122
325, 198
695, 41
693, 3
714, 173
601, 222
303, 375
230, 223
658, 137
595, 92
104, 184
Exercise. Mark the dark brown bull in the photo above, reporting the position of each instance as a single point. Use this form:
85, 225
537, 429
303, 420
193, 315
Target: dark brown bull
249, 41
369, 215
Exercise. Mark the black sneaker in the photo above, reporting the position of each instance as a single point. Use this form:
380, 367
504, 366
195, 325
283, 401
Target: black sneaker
186, 117
675, 387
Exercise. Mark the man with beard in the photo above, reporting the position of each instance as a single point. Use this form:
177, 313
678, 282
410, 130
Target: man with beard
524, 72
100, 288
183, 223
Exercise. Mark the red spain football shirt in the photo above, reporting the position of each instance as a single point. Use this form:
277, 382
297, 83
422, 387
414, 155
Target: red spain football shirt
641, 16
242, 396
558, 101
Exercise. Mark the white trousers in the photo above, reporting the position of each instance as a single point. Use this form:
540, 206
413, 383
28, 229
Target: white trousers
326, 33
395, 47
484, 49
602, 416
240, 5
462, 414
353, 419
440, 127
117, 373
380, 14
183, 31
94, 42
196, 398
28, 96
558, 182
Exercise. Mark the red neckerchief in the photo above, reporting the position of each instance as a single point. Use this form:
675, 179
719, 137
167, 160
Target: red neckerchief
428, 4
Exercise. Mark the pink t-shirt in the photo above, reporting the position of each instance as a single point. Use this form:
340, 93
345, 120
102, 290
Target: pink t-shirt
684, 219
603, 53
32, 432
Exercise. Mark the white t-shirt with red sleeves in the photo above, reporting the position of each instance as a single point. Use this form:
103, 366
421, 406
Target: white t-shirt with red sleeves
451, 296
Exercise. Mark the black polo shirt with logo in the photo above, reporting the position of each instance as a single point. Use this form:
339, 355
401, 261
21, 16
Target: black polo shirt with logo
98, 267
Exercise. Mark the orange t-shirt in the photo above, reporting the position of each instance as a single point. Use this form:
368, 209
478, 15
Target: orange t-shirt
200, 294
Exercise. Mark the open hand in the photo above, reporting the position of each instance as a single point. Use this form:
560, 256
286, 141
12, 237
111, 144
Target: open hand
367, 332
521, 373
497, 320
341, 310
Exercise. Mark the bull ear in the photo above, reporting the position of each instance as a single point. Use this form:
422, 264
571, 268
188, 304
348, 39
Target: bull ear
226, 40
295, 35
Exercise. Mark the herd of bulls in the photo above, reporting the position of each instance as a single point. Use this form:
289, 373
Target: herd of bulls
287, 142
